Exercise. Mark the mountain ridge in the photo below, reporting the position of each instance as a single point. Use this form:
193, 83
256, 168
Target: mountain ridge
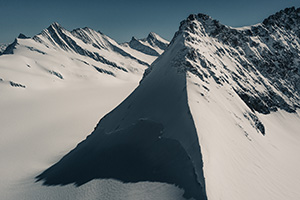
83, 46
249, 47
215, 116
212, 90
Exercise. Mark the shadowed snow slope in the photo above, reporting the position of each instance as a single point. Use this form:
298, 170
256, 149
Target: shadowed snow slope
54, 87
38, 127
161, 98
226, 100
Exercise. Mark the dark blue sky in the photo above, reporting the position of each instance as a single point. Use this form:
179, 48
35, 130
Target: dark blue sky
121, 19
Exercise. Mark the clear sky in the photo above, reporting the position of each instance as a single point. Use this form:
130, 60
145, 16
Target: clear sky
122, 19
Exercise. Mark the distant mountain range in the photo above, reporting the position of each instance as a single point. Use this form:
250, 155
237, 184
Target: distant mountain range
59, 55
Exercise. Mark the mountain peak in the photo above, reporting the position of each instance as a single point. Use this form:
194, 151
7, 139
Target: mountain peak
22, 36
152, 35
155, 37
274, 62
288, 18
199, 23
196, 24
199, 17
55, 25
133, 39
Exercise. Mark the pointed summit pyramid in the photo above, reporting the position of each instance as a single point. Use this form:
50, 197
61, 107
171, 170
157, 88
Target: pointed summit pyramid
157, 41
160, 101
214, 99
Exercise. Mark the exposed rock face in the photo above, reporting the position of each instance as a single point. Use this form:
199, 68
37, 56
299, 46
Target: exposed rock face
2, 47
265, 55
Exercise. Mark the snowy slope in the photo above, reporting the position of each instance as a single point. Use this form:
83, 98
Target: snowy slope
243, 88
160, 101
38, 127
225, 100
54, 87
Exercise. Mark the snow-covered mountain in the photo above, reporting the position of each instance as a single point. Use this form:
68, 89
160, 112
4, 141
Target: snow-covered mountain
58, 55
54, 88
217, 114
153, 45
